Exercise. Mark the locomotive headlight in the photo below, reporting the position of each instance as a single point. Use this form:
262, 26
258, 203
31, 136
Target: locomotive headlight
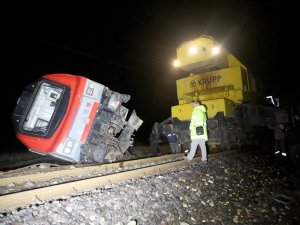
67, 150
216, 50
70, 144
176, 63
193, 50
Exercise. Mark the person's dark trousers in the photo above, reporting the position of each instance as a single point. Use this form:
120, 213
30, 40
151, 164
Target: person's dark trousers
280, 147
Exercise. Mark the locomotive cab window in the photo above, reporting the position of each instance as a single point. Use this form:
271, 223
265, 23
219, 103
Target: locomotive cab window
43, 107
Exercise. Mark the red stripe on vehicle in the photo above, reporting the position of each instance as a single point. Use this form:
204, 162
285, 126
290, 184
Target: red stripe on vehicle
88, 125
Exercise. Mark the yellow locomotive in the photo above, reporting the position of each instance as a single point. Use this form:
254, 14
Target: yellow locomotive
237, 112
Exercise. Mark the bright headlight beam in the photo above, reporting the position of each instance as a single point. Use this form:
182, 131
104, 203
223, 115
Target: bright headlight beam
176, 63
216, 50
193, 50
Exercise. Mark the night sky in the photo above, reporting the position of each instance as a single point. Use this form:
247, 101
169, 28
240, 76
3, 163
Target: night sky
130, 46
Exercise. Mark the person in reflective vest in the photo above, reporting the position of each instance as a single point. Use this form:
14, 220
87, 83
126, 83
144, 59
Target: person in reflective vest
199, 118
279, 139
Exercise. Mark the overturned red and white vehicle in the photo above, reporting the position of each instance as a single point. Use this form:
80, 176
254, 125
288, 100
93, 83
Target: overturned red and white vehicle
75, 119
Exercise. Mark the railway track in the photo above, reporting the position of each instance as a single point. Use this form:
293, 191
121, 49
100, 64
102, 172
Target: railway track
50, 185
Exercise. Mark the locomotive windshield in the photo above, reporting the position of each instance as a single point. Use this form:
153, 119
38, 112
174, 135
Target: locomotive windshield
42, 109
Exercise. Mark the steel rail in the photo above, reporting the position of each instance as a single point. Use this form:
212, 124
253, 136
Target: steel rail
40, 195
45, 176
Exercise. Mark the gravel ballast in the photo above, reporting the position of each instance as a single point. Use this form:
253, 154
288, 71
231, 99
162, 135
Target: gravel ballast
246, 188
